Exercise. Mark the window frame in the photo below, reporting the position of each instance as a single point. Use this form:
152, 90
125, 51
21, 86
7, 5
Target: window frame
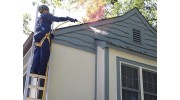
134, 64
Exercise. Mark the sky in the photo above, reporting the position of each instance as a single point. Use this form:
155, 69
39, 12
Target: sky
28, 8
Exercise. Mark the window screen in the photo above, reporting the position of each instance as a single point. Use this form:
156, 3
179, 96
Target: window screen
129, 95
130, 79
150, 85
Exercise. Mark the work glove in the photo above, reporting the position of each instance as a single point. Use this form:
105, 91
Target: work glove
72, 19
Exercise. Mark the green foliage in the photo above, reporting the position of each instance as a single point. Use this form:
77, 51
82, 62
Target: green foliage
44, 1
113, 8
26, 19
56, 3
148, 8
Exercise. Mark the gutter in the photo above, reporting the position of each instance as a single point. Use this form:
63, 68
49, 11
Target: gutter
27, 44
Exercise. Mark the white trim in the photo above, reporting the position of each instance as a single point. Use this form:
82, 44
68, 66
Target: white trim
100, 73
141, 83
120, 80
138, 66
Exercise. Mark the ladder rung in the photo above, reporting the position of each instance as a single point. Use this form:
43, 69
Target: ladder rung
36, 87
39, 76
28, 98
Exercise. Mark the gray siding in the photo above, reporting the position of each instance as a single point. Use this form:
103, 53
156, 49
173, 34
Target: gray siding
116, 31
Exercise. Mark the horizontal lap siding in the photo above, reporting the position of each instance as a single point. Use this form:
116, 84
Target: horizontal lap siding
150, 38
117, 33
76, 40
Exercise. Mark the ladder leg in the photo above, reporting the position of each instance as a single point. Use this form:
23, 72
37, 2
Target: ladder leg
37, 89
45, 83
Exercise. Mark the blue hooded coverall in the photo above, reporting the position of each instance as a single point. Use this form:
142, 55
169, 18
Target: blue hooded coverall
41, 54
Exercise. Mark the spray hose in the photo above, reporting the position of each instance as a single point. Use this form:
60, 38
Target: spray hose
93, 29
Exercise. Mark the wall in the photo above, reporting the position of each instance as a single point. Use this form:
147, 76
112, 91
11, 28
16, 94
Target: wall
113, 71
72, 74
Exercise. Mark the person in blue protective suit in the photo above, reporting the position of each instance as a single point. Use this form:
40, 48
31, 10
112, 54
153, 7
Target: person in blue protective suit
42, 39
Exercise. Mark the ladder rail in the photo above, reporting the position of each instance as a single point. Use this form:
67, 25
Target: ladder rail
30, 59
47, 86
45, 93
27, 82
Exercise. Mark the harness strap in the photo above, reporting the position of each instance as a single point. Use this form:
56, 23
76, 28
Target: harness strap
47, 36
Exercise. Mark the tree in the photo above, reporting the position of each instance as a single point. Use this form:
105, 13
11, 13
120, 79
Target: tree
103, 9
26, 19
148, 8
95, 10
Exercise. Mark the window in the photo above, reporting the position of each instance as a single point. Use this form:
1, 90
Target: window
149, 85
136, 36
131, 87
130, 79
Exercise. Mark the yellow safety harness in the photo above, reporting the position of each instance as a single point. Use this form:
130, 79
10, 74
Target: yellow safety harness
47, 36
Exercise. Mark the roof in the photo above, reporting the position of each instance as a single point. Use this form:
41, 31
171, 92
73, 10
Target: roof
110, 20
115, 31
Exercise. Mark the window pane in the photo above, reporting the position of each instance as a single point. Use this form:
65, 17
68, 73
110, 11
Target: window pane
155, 78
135, 73
150, 88
124, 81
123, 70
129, 95
135, 84
129, 77
145, 86
149, 97
155, 88
149, 76
144, 76
129, 82
150, 82
129, 72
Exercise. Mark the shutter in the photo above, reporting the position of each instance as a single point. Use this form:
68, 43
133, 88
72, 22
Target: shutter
136, 36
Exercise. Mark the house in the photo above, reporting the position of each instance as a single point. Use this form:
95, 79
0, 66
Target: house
111, 59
